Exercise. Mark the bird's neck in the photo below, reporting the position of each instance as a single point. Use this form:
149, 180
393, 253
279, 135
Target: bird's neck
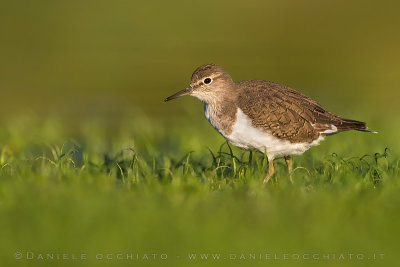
221, 113
220, 99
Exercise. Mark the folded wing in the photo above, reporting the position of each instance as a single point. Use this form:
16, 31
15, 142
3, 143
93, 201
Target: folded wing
288, 114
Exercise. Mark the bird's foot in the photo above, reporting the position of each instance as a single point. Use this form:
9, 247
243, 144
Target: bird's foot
267, 178
270, 171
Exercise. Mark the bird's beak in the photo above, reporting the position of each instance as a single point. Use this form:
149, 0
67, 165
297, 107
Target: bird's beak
179, 94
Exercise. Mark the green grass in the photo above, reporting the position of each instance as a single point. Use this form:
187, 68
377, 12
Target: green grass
91, 182
141, 187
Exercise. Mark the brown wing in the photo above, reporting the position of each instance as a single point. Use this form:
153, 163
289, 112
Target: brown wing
288, 114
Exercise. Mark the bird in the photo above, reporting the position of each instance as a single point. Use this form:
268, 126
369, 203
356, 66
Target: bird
264, 116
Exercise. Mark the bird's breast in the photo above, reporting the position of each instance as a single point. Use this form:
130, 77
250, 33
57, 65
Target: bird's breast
221, 119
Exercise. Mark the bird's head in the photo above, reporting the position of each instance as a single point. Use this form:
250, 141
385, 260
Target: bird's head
209, 83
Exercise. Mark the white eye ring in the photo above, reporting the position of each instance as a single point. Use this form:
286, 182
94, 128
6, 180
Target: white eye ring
207, 80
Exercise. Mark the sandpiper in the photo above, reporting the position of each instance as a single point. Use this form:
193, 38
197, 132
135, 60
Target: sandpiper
266, 116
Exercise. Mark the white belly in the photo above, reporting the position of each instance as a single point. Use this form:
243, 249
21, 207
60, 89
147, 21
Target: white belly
246, 136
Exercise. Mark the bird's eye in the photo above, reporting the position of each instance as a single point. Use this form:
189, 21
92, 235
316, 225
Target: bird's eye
207, 80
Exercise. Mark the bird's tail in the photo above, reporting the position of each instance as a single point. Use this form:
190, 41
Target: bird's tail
347, 124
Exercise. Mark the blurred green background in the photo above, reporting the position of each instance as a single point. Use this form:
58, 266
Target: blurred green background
101, 58
98, 71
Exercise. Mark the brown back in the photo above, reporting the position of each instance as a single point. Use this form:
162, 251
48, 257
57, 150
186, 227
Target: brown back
288, 114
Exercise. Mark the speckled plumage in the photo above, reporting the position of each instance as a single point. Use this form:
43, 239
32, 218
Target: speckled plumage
251, 113
288, 114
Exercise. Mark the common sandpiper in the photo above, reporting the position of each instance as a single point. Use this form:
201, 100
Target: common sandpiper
266, 116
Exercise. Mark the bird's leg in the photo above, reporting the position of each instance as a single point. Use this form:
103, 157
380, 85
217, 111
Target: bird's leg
270, 170
289, 163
